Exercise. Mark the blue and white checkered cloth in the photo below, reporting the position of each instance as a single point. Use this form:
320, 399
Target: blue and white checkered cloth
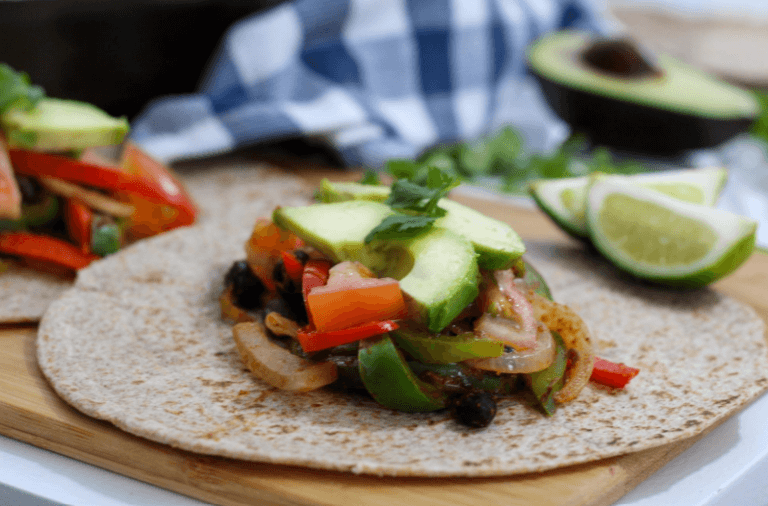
377, 78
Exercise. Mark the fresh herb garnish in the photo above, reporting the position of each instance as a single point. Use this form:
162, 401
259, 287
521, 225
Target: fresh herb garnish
416, 205
503, 156
760, 127
371, 178
400, 226
16, 89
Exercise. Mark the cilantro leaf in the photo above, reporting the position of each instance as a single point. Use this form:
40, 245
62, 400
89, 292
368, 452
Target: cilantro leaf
401, 168
371, 178
422, 198
17, 89
400, 226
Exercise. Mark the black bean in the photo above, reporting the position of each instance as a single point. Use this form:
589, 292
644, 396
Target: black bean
301, 256
475, 409
31, 191
279, 306
247, 288
295, 302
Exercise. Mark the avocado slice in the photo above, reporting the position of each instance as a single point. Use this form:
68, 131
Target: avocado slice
497, 245
608, 90
62, 125
437, 269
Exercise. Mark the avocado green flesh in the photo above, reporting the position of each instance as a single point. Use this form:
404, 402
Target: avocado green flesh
495, 243
437, 269
680, 88
62, 125
391, 382
679, 110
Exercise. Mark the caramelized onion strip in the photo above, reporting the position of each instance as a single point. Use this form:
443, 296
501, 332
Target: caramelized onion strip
280, 325
575, 334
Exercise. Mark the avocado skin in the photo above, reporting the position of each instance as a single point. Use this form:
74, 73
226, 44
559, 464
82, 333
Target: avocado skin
634, 127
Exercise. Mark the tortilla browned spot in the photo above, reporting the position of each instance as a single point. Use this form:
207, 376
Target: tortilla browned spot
25, 294
139, 342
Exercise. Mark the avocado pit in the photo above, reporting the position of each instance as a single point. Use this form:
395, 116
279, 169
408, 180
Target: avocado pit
620, 58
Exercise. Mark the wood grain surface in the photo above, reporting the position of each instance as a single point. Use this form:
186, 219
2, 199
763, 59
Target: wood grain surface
31, 412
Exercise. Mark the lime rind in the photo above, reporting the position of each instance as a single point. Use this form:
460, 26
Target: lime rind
734, 236
698, 186
564, 201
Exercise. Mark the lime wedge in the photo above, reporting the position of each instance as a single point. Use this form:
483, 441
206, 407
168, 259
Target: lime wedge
564, 200
698, 186
657, 237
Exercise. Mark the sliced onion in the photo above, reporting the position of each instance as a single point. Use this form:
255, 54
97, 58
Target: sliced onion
505, 301
575, 334
505, 330
530, 360
276, 365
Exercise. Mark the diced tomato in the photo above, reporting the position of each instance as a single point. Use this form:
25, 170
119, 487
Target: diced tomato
315, 274
348, 300
313, 340
264, 246
10, 196
612, 374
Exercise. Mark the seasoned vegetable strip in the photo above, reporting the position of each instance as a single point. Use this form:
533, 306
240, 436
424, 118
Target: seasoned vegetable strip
573, 330
278, 366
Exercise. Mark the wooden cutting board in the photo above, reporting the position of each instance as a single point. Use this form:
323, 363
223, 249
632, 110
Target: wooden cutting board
31, 412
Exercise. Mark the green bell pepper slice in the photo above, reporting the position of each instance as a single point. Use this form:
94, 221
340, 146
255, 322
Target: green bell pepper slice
533, 278
445, 349
34, 215
390, 381
106, 236
547, 382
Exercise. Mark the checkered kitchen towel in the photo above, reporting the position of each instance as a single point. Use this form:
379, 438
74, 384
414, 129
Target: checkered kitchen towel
377, 78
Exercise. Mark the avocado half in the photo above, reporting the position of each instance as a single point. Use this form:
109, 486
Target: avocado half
608, 90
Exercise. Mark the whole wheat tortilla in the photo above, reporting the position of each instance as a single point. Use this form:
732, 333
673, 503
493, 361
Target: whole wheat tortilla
138, 342
25, 294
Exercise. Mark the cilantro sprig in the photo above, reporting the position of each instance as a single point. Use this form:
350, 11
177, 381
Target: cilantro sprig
415, 203
503, 156
16, 89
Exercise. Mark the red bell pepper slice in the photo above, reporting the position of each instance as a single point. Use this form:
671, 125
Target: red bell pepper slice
10, 196
90, 155
44, 248
33, 163
612, 374
293, 267
79, 218
312, 340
